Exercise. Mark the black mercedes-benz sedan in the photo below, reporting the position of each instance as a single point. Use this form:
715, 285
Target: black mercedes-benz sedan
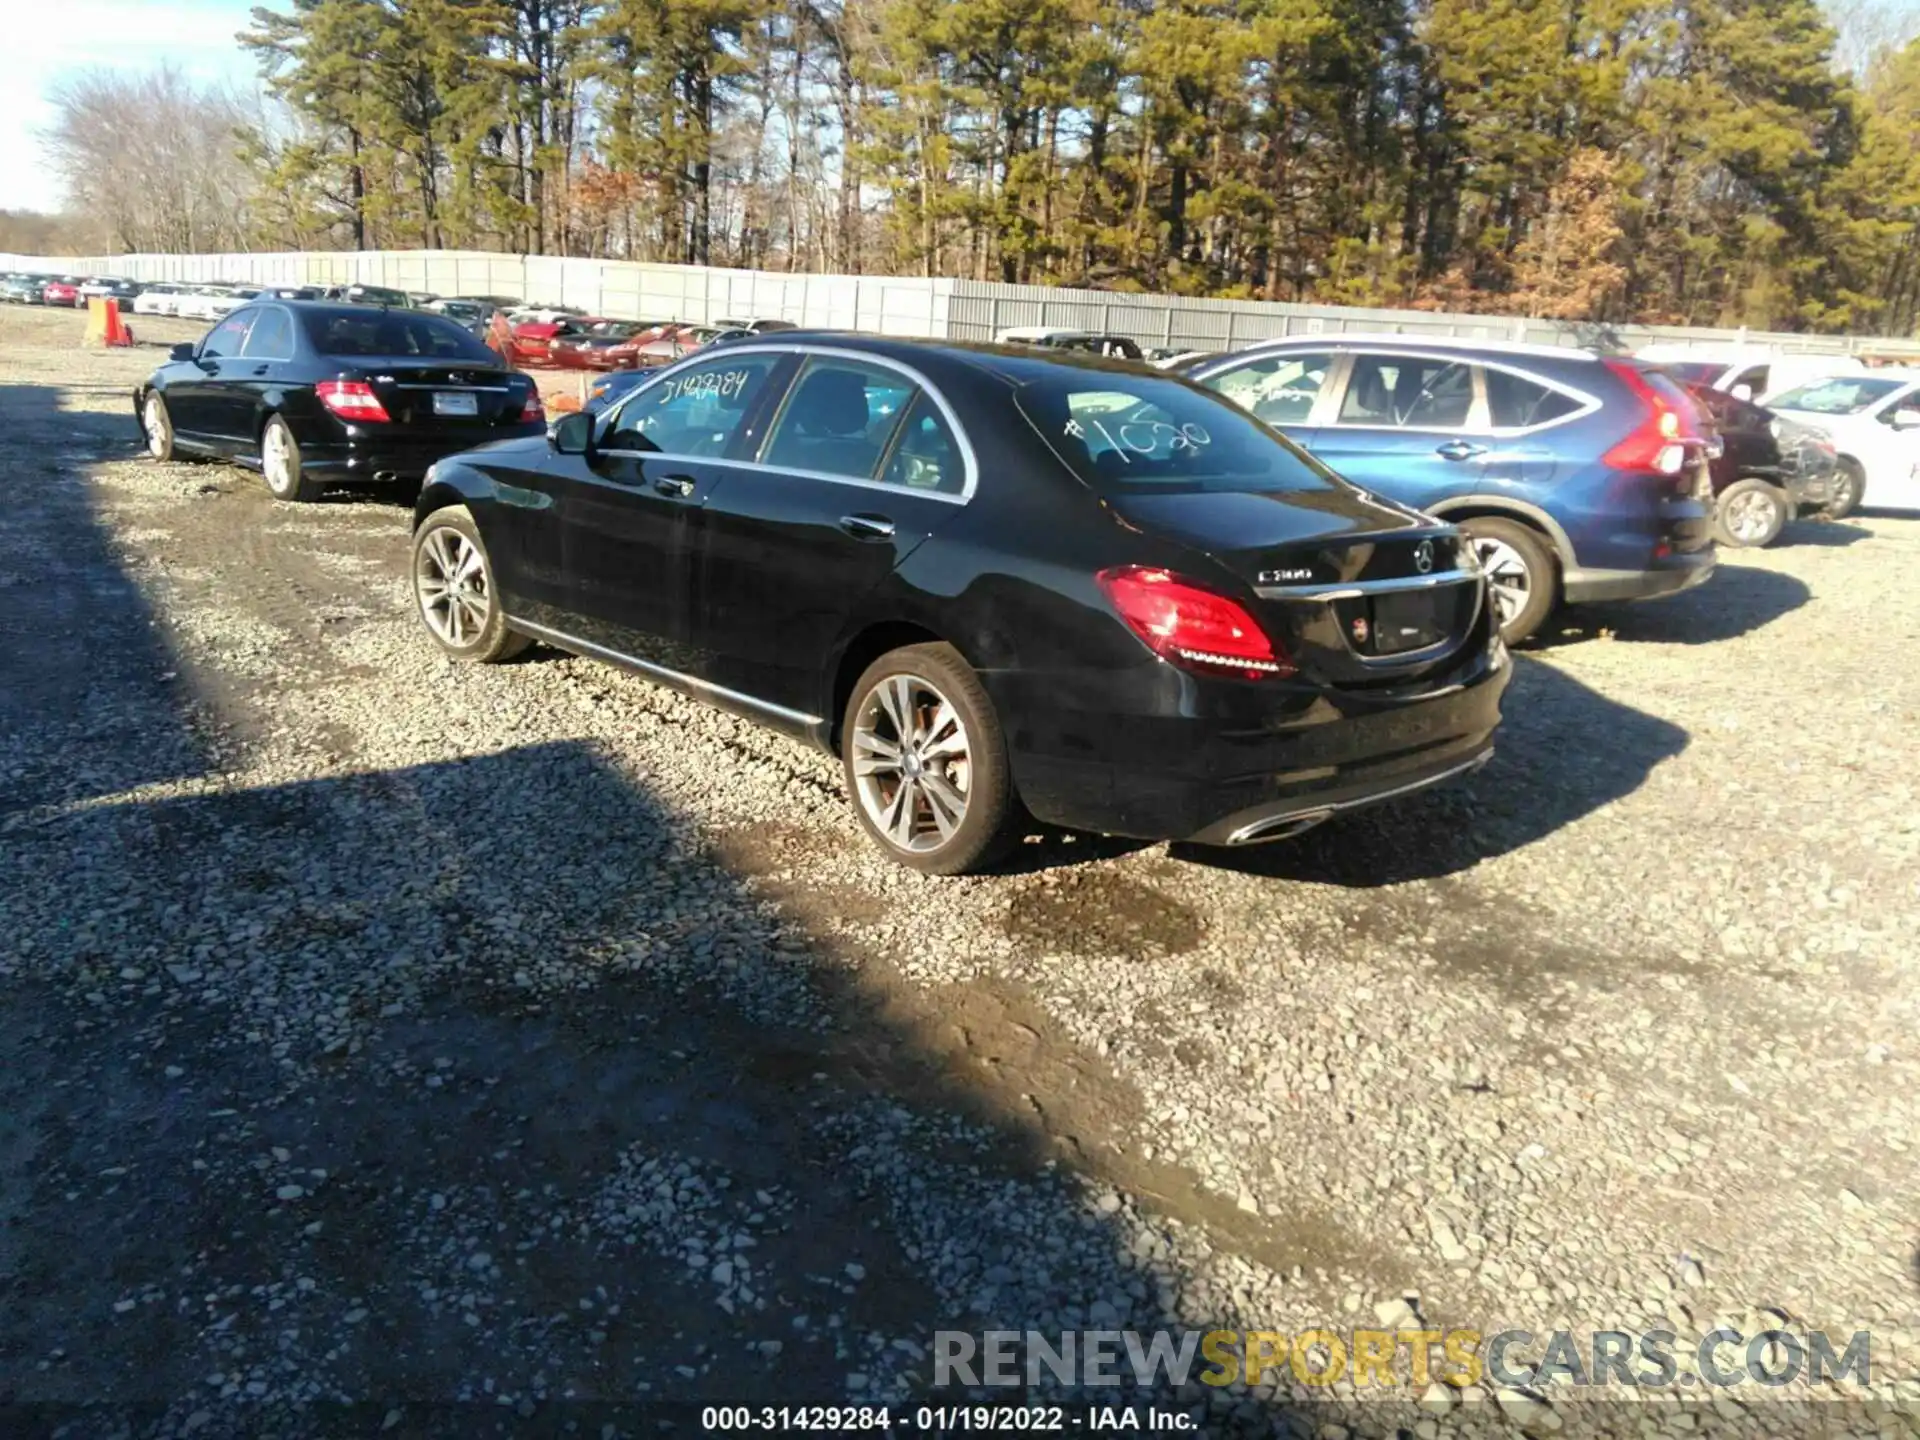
312, 394
995, 582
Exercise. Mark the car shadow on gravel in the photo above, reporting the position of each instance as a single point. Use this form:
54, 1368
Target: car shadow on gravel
1563, 751
90, 700
485, 1084
1736, 600
1817, 530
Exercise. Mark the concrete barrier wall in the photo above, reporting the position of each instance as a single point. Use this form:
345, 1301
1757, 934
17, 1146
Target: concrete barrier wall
894, 305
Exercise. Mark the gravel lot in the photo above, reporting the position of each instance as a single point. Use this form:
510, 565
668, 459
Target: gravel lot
395, 1033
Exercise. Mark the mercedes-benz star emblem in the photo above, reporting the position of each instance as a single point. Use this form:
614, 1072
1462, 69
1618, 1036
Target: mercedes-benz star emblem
1423, 556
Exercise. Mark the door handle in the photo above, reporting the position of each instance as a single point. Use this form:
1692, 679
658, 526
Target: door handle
1460, 450
260, 369
677, 486
867, 527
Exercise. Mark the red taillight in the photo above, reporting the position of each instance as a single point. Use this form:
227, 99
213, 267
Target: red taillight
534, 409
1191, 627
1659, 441
351, 400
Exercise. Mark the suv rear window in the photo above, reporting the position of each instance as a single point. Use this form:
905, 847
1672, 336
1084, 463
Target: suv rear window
1120, 431
389, 333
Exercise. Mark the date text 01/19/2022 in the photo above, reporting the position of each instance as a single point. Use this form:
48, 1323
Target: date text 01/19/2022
944, 1419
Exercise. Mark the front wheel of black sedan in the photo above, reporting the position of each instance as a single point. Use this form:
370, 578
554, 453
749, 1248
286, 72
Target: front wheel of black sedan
453, 588
926, 762
1750, 514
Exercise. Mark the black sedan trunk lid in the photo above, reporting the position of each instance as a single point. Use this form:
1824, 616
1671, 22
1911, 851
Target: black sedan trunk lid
1359, 592
439, 396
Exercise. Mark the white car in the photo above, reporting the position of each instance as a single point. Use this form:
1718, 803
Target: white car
161, 299
233, 299
197, 301
1746, 372
1874, 419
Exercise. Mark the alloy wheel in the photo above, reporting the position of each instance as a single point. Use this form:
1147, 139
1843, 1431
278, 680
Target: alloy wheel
153, 421
1509, 581
911, 762
1749, 519
276, 458
450, 577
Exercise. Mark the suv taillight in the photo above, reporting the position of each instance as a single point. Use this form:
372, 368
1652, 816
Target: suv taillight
1659, 441
534, 409
1192, 627
351, 400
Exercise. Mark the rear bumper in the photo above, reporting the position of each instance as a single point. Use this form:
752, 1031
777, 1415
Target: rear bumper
1666, 577
392, 458
1221, 762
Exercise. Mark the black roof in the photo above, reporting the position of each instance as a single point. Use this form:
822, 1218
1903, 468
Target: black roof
1016, 364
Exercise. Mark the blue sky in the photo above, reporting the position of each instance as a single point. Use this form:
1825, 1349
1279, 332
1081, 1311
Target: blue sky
60, 36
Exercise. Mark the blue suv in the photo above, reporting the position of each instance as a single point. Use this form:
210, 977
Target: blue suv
1579, 478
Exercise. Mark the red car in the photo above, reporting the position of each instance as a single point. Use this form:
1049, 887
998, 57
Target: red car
606, 345
64, 291
533, 339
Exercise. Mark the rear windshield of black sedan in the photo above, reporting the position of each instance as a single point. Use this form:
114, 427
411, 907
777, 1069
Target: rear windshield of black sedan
387, 332
1117, 430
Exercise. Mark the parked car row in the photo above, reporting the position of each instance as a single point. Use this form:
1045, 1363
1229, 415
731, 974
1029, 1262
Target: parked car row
996, 582
1217, 604
20, 288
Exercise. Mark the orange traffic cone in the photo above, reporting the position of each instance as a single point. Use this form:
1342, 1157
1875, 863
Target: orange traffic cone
104, 325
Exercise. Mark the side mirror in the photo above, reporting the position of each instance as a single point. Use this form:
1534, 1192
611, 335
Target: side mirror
572, 435
180, 352
1906, 419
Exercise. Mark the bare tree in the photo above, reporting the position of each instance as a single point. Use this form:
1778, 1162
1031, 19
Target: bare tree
152, 159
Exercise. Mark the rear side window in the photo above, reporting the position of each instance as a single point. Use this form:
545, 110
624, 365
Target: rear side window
1279, 389
1516, 403
379, 332
839, 418
1408, 391
696, 411
271, 337
926, 456
1122, 432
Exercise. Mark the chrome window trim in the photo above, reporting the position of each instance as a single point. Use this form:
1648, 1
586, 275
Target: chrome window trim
647, 667
969, 461
1333, 392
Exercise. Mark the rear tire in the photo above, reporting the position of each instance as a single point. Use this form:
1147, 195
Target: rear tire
1523, 582
453, 590
280, 464
157, 425
926, 763
1750, 514
1849, 488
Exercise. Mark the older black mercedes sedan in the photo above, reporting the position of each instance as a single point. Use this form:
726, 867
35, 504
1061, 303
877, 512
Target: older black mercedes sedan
312, 394
997, 583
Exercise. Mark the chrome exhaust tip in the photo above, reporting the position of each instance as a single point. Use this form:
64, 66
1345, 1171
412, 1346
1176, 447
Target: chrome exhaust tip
1278, 827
